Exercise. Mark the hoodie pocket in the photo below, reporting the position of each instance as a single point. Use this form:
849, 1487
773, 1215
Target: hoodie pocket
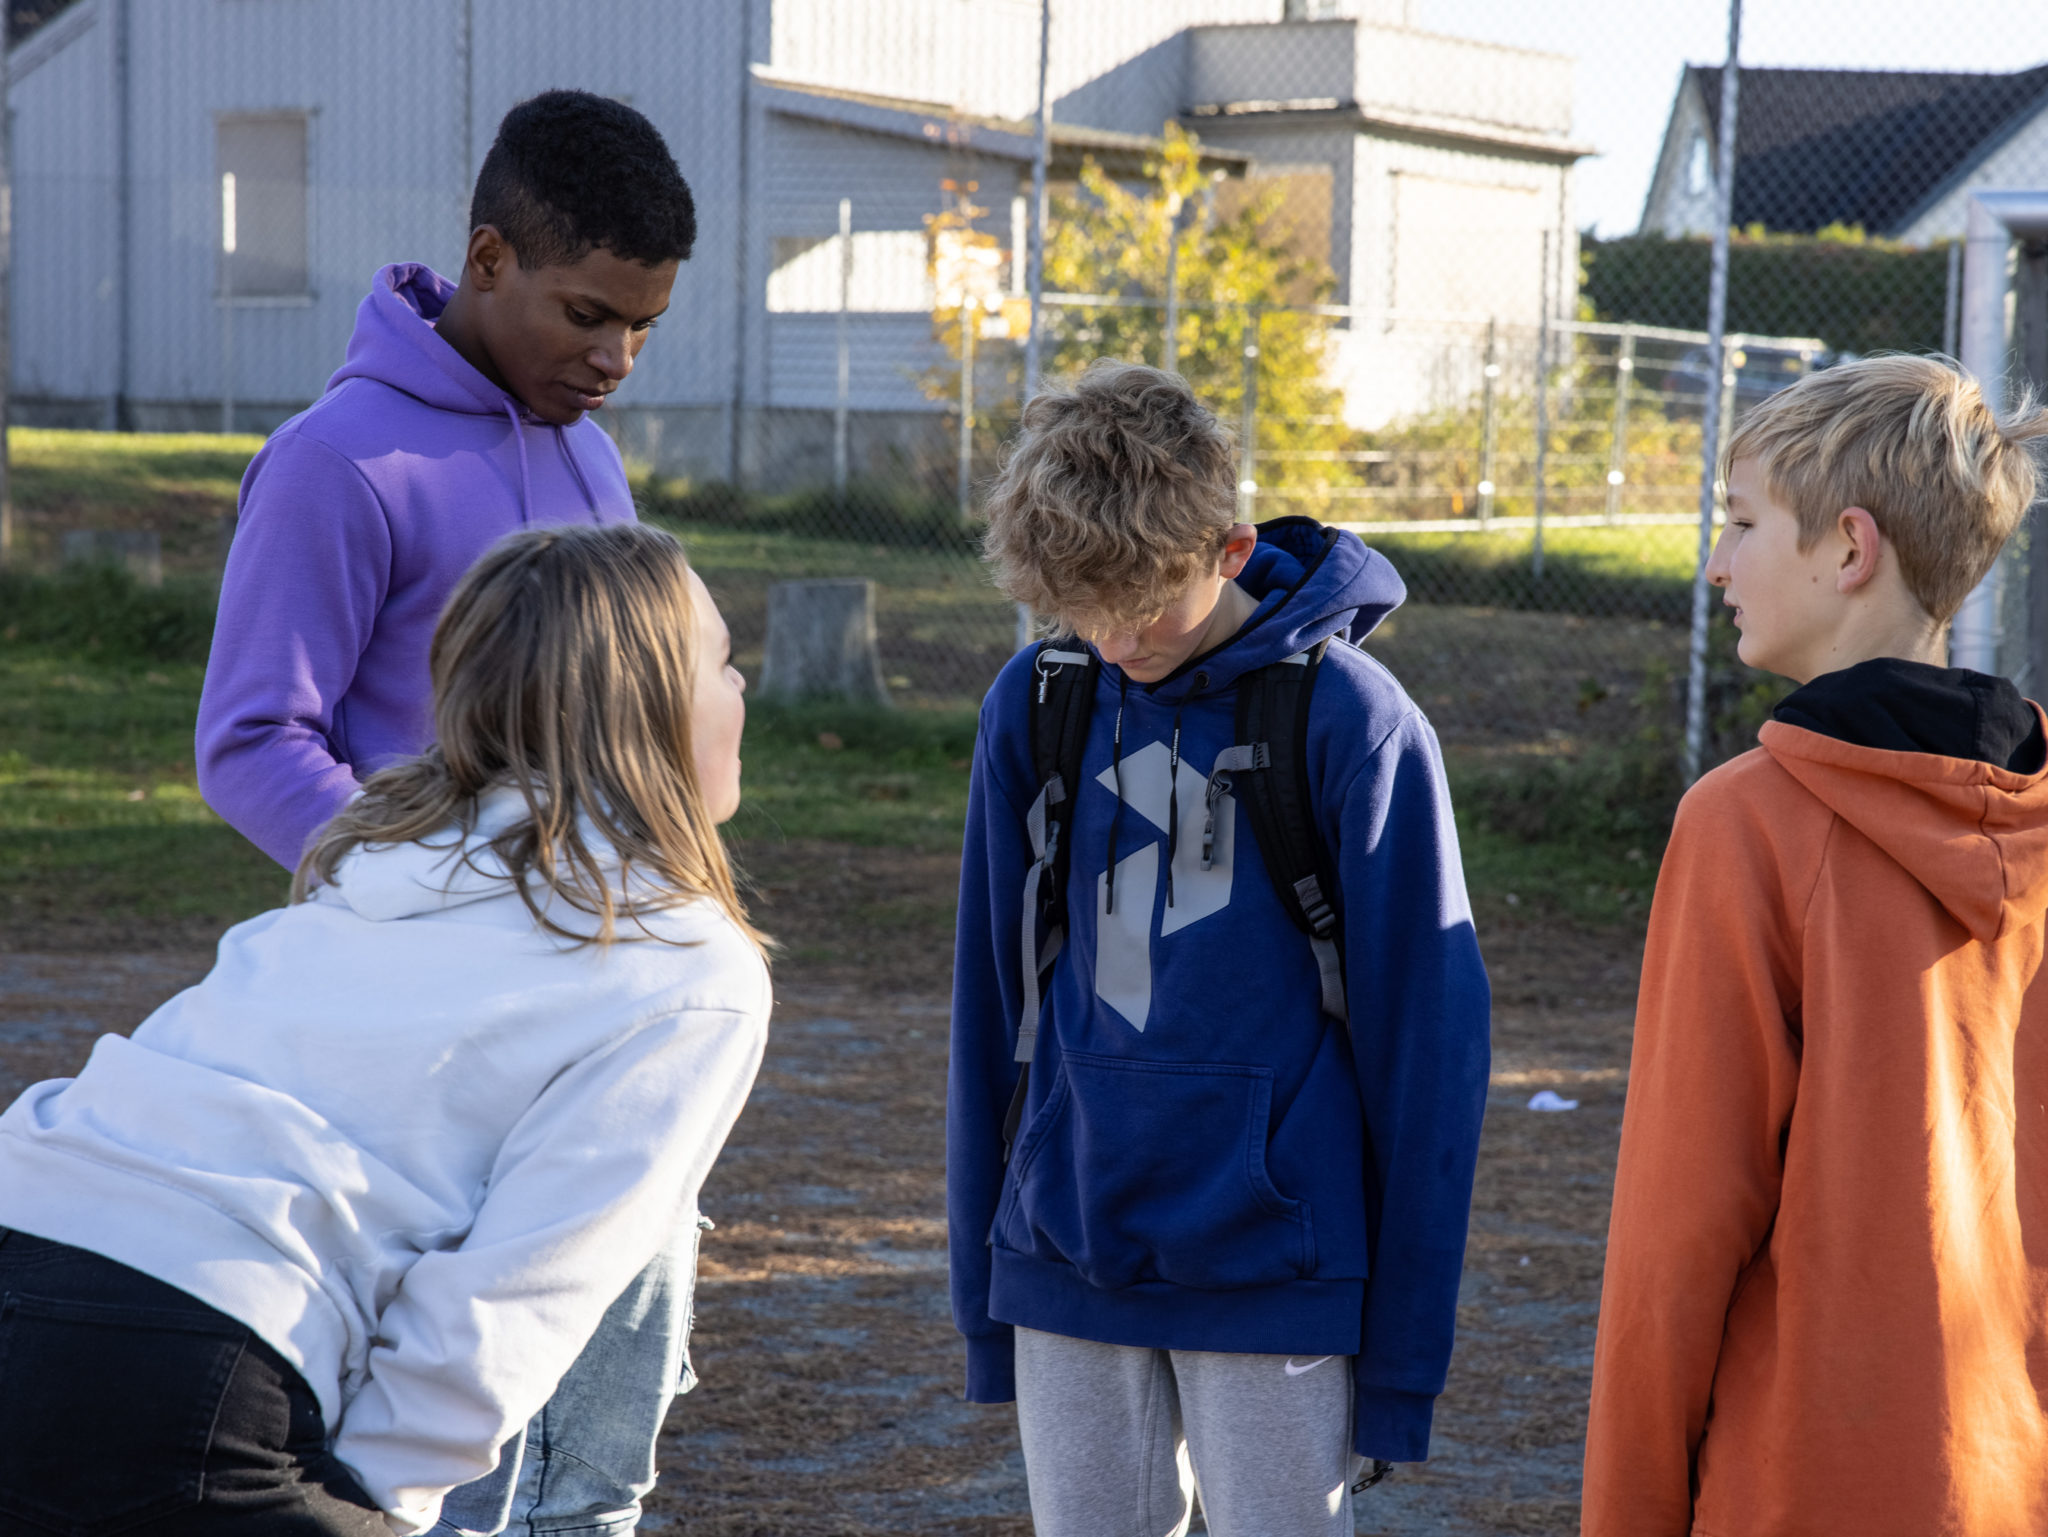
1156, 1171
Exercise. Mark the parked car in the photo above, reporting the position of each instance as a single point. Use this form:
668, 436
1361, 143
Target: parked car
1760, 372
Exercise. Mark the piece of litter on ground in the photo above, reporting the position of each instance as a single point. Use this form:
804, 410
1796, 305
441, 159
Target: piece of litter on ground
1525, 1259
1550, 1099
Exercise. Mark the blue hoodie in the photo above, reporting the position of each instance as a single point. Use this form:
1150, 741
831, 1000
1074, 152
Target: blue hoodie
357, 519
1206, 1160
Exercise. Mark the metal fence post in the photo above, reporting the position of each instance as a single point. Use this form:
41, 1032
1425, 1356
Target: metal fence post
969, 316
124, 220
1542, 408
1732, 359
1248, 428
1169, 349
1038, 189
839, 405
1710, 434
1952, 300
1617, 447
6, 306
1489, 420
227, 301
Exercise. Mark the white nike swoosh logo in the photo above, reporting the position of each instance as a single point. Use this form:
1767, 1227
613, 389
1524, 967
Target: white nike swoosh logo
1296, 1371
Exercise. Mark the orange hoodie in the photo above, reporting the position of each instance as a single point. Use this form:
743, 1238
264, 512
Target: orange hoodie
1826, 1298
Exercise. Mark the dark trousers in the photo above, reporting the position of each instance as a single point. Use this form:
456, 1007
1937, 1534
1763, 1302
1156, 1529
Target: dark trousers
127, 1405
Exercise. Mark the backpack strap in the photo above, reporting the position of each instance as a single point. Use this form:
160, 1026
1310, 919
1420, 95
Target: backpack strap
1060, 708
1270, 762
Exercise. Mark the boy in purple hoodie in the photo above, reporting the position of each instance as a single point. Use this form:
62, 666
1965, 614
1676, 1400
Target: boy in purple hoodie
461, 413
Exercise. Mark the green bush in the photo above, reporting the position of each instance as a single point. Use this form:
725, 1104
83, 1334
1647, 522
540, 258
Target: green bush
104, 613
1856, 294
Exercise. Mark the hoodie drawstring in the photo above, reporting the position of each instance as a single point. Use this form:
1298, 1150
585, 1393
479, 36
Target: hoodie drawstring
1173, 802
525, 476
569, 452
1116, 769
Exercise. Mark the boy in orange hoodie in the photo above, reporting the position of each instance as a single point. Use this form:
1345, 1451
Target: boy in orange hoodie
1826, 1298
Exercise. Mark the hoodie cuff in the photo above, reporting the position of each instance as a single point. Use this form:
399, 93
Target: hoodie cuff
992, 1367
1391, 1425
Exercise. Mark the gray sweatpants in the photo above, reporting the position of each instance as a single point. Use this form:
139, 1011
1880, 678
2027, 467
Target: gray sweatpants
1118, 1440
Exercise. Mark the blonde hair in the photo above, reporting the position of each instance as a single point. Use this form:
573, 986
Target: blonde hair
1912, 442
562, 666
1119, 491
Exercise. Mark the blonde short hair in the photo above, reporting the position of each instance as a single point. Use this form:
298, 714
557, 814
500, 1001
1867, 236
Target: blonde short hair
1120, 490
563, 666
1912, 442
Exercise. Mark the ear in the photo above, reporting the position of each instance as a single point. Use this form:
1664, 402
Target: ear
1237, 549
1862, 545
487, 256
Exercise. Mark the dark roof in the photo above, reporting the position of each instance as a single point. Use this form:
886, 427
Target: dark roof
1815, 147
24, 16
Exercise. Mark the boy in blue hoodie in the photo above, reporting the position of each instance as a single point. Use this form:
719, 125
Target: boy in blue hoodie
461, 413
1223, 1249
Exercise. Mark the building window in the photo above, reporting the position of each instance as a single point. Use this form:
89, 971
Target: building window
1698, 167
260, 175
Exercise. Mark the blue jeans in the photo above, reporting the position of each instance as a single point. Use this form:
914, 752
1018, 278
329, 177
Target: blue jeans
583, 1463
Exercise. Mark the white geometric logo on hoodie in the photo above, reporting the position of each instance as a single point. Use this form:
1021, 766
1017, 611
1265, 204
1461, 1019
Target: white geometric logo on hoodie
1123, 938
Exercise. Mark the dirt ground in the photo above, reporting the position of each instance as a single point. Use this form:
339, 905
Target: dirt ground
831, 1370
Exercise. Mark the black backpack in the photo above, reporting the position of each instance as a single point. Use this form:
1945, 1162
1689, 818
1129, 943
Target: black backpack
1267, 768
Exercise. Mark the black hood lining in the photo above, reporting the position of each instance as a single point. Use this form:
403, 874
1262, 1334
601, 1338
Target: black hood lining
1895, 705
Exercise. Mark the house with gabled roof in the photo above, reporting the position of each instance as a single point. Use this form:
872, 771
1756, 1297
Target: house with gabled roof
1894, 152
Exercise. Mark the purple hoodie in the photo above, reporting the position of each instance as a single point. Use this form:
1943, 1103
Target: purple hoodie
357, 519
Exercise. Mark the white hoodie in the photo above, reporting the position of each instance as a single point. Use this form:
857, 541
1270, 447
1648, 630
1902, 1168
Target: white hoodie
413, 1141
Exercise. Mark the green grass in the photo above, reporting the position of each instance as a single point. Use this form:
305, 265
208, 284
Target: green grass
868, 776
119, 471
100, 815
1613, 572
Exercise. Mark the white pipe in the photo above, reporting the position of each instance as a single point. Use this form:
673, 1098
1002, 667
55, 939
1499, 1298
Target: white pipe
1996, 219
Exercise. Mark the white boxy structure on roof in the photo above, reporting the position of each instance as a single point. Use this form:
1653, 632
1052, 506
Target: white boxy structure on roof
354, 129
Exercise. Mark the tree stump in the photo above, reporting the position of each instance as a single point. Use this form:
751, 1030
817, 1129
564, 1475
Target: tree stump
136, 550
821, 642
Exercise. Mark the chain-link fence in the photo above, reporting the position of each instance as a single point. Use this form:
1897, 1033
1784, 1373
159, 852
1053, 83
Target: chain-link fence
1444, 264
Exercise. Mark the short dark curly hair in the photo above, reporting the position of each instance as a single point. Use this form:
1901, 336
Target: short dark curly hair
569, 171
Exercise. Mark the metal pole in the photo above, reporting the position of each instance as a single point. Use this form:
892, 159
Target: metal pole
745, 295
6, 306
1617, 443
845, 352
1169, 352
1248, 423
1732, 361
1952, 300
123, 216
1038, 175
1542, 406
1176, 222
465, 22
964, 486
227, 301
1710, 428
1489, 421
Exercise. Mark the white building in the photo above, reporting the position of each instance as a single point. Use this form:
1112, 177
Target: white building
354, 129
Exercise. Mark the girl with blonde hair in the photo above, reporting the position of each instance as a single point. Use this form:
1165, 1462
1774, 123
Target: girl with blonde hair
309, 1247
